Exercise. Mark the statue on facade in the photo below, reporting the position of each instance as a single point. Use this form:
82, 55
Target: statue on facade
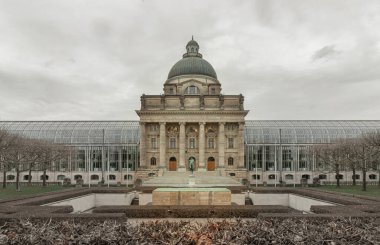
221, 101
162, 101
241, 101
182, 101
202, 101
142, 98
191, 165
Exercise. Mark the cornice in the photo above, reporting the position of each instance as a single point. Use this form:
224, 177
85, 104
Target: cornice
183, 112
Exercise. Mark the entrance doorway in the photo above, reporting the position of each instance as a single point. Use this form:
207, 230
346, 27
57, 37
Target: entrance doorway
172, 164
191, 159
211, 164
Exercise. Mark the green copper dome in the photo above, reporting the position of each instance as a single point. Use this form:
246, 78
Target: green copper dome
192, 63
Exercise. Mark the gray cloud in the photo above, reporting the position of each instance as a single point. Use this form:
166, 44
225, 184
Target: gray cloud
92, 59
326, 52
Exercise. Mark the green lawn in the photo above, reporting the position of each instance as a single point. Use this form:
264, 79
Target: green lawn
10, 191
372, 191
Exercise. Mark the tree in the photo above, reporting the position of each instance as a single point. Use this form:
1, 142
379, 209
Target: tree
364, 152
332, 156
15, 156
351, 158
52, 153
373, 140
34, 153
6, 141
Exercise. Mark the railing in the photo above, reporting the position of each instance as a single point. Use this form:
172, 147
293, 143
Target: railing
342, 182
35, 183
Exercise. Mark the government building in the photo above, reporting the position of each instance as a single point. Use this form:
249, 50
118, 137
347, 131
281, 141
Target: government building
192, 124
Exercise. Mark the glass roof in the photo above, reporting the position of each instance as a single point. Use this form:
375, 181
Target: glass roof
77, 132
127, 132
305, 131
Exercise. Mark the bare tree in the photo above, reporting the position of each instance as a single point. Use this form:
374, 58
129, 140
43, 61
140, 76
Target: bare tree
350, 157
331, 155
52, 153
16, 155
34, 153
373, 141
6, 141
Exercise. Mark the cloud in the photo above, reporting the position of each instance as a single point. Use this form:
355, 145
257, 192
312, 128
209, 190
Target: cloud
327, 52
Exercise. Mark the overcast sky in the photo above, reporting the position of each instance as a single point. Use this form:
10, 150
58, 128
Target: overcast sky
91, 60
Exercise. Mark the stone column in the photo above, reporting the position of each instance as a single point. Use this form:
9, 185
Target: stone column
221, 145
240, 140
142, 145
182, 145
201, 144
162, 145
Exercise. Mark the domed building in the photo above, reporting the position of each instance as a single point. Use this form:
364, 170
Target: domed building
191, 126
192, 121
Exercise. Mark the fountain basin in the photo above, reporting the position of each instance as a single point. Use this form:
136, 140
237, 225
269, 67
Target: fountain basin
191, 196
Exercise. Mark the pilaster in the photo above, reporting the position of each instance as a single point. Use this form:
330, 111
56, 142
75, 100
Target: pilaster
202, 164
241, 145
182, 144
162, 145
142, 145
221, 144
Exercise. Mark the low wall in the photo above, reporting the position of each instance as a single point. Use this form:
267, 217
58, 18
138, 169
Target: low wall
83, 203
290, 200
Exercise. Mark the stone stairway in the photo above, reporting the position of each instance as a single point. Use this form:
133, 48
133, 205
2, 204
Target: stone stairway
198, 179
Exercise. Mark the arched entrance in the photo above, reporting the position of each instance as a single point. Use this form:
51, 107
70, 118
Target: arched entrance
210, 164
194, 163
172, 164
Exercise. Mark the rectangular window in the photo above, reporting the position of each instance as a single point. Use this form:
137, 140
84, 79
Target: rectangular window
153, 143
212, 90
171, 91
211, 143
230, 143
192, 143
172, 143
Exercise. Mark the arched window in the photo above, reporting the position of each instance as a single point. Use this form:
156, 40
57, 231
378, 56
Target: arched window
153, 161
232, 174
305, 176
128, 177
112, 177
78, 176
60, 177
10, 177
340, 176
372, 176
322, 176
94, 177
192, 90
26, 177
42, 177
289, 176
256, 176
272, 176
356, 176
230, 161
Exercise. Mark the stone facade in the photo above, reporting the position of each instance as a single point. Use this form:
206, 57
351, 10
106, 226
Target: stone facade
192, 119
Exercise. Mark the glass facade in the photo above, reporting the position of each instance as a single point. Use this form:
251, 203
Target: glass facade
114, 145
